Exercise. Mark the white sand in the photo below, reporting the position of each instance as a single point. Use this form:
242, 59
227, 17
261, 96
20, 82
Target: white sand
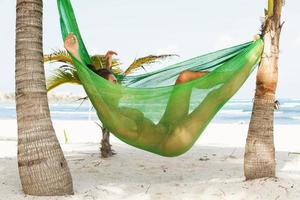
212, 169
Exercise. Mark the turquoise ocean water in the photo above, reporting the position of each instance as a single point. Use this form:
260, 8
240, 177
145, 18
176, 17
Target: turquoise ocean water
235, 111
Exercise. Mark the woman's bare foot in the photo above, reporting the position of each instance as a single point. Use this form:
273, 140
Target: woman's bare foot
71, 45
187, 76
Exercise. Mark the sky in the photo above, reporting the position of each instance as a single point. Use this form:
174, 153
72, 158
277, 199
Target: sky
136, 28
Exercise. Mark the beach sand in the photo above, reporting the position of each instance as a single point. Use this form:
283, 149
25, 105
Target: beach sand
212, 169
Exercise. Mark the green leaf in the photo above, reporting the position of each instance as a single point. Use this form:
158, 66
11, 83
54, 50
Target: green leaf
65, 137
64, 74
98, 62
270, 8
141, 62
68, 73
59, 56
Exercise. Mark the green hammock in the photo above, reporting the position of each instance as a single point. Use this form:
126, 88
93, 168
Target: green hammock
151, 113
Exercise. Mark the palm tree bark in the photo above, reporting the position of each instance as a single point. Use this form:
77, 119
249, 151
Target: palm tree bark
43, 169
259, 160
105, 146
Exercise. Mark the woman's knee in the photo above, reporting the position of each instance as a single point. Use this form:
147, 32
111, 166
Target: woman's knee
183, 77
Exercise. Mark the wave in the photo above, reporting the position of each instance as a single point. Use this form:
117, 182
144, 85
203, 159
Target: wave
297, 117
239, 104
233, 111
240, 100
7, 107
72, 112
293, 99
290, 105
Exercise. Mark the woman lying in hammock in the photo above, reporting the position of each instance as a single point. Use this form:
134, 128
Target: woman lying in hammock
71, 44
172, 135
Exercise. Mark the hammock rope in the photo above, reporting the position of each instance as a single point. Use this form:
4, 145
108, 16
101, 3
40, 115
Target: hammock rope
151, 113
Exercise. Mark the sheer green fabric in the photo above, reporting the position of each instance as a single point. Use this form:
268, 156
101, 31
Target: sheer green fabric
168, 75
164, 118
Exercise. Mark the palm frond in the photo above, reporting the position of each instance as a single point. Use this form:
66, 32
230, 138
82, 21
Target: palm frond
141, 62
117, 70
59, 56
68, 74
62, 75
99, 61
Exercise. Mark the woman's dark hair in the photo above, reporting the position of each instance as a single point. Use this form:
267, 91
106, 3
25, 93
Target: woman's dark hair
103, 72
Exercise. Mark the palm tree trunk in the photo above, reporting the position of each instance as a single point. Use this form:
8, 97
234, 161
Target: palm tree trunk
43, 169
259, 160
105, 147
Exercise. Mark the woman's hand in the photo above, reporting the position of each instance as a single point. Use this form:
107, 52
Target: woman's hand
108, 58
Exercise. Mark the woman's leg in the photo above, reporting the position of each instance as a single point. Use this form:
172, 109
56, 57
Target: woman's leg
130, 124
186, 131
179, 101
187, 76
145, 134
